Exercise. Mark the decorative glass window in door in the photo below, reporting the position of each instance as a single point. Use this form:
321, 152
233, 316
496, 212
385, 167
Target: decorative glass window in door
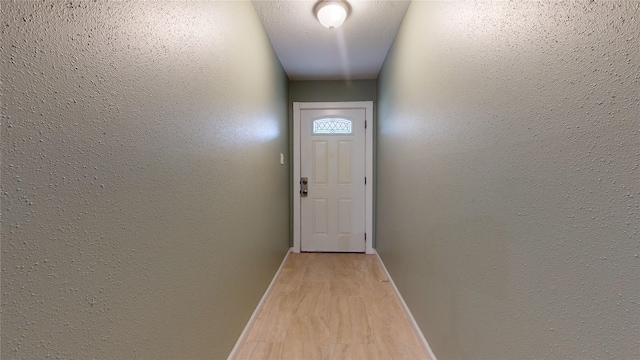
332, 126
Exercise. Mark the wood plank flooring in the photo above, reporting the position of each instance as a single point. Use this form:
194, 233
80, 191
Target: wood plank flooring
329, 307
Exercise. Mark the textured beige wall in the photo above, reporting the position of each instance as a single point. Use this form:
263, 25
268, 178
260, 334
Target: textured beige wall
332, 90
509, 180
144, 209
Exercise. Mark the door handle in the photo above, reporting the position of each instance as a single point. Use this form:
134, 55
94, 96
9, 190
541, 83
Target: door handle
304, 190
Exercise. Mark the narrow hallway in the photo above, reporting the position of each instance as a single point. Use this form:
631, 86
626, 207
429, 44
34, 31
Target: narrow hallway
331, 306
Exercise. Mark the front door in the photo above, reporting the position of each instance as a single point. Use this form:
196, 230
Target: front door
332, 180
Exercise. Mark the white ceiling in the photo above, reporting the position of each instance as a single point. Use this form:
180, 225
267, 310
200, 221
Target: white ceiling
309, 51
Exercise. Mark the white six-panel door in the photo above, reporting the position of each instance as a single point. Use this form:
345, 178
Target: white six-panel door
332, 155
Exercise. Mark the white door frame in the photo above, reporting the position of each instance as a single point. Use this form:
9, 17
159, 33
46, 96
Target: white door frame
368, 106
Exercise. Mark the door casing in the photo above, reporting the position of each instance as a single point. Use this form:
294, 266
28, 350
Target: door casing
368, 106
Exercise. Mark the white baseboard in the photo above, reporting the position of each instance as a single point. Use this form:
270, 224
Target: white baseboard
256, 312
414, 325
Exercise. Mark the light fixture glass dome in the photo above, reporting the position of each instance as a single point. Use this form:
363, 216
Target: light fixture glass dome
332, 13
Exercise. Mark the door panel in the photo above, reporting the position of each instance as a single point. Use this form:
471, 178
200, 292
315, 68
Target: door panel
320, 163
344, 216
320, 216
332, 153
345, 163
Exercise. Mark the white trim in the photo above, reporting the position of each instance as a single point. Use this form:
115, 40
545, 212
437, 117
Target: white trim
254, 317
414, 325
369, 174
368, 106
296, 178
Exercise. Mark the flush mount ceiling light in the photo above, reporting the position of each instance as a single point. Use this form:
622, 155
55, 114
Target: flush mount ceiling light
331, 13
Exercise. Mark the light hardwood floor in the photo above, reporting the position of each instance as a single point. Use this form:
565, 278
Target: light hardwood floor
328, 307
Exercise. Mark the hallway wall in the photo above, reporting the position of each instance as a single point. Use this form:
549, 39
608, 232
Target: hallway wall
508, 205
331, 90
144, 209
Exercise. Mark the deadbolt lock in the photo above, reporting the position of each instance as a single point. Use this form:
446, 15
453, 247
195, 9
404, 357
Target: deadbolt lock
304, 190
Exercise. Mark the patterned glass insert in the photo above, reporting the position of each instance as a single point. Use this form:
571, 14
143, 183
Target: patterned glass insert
332, 126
